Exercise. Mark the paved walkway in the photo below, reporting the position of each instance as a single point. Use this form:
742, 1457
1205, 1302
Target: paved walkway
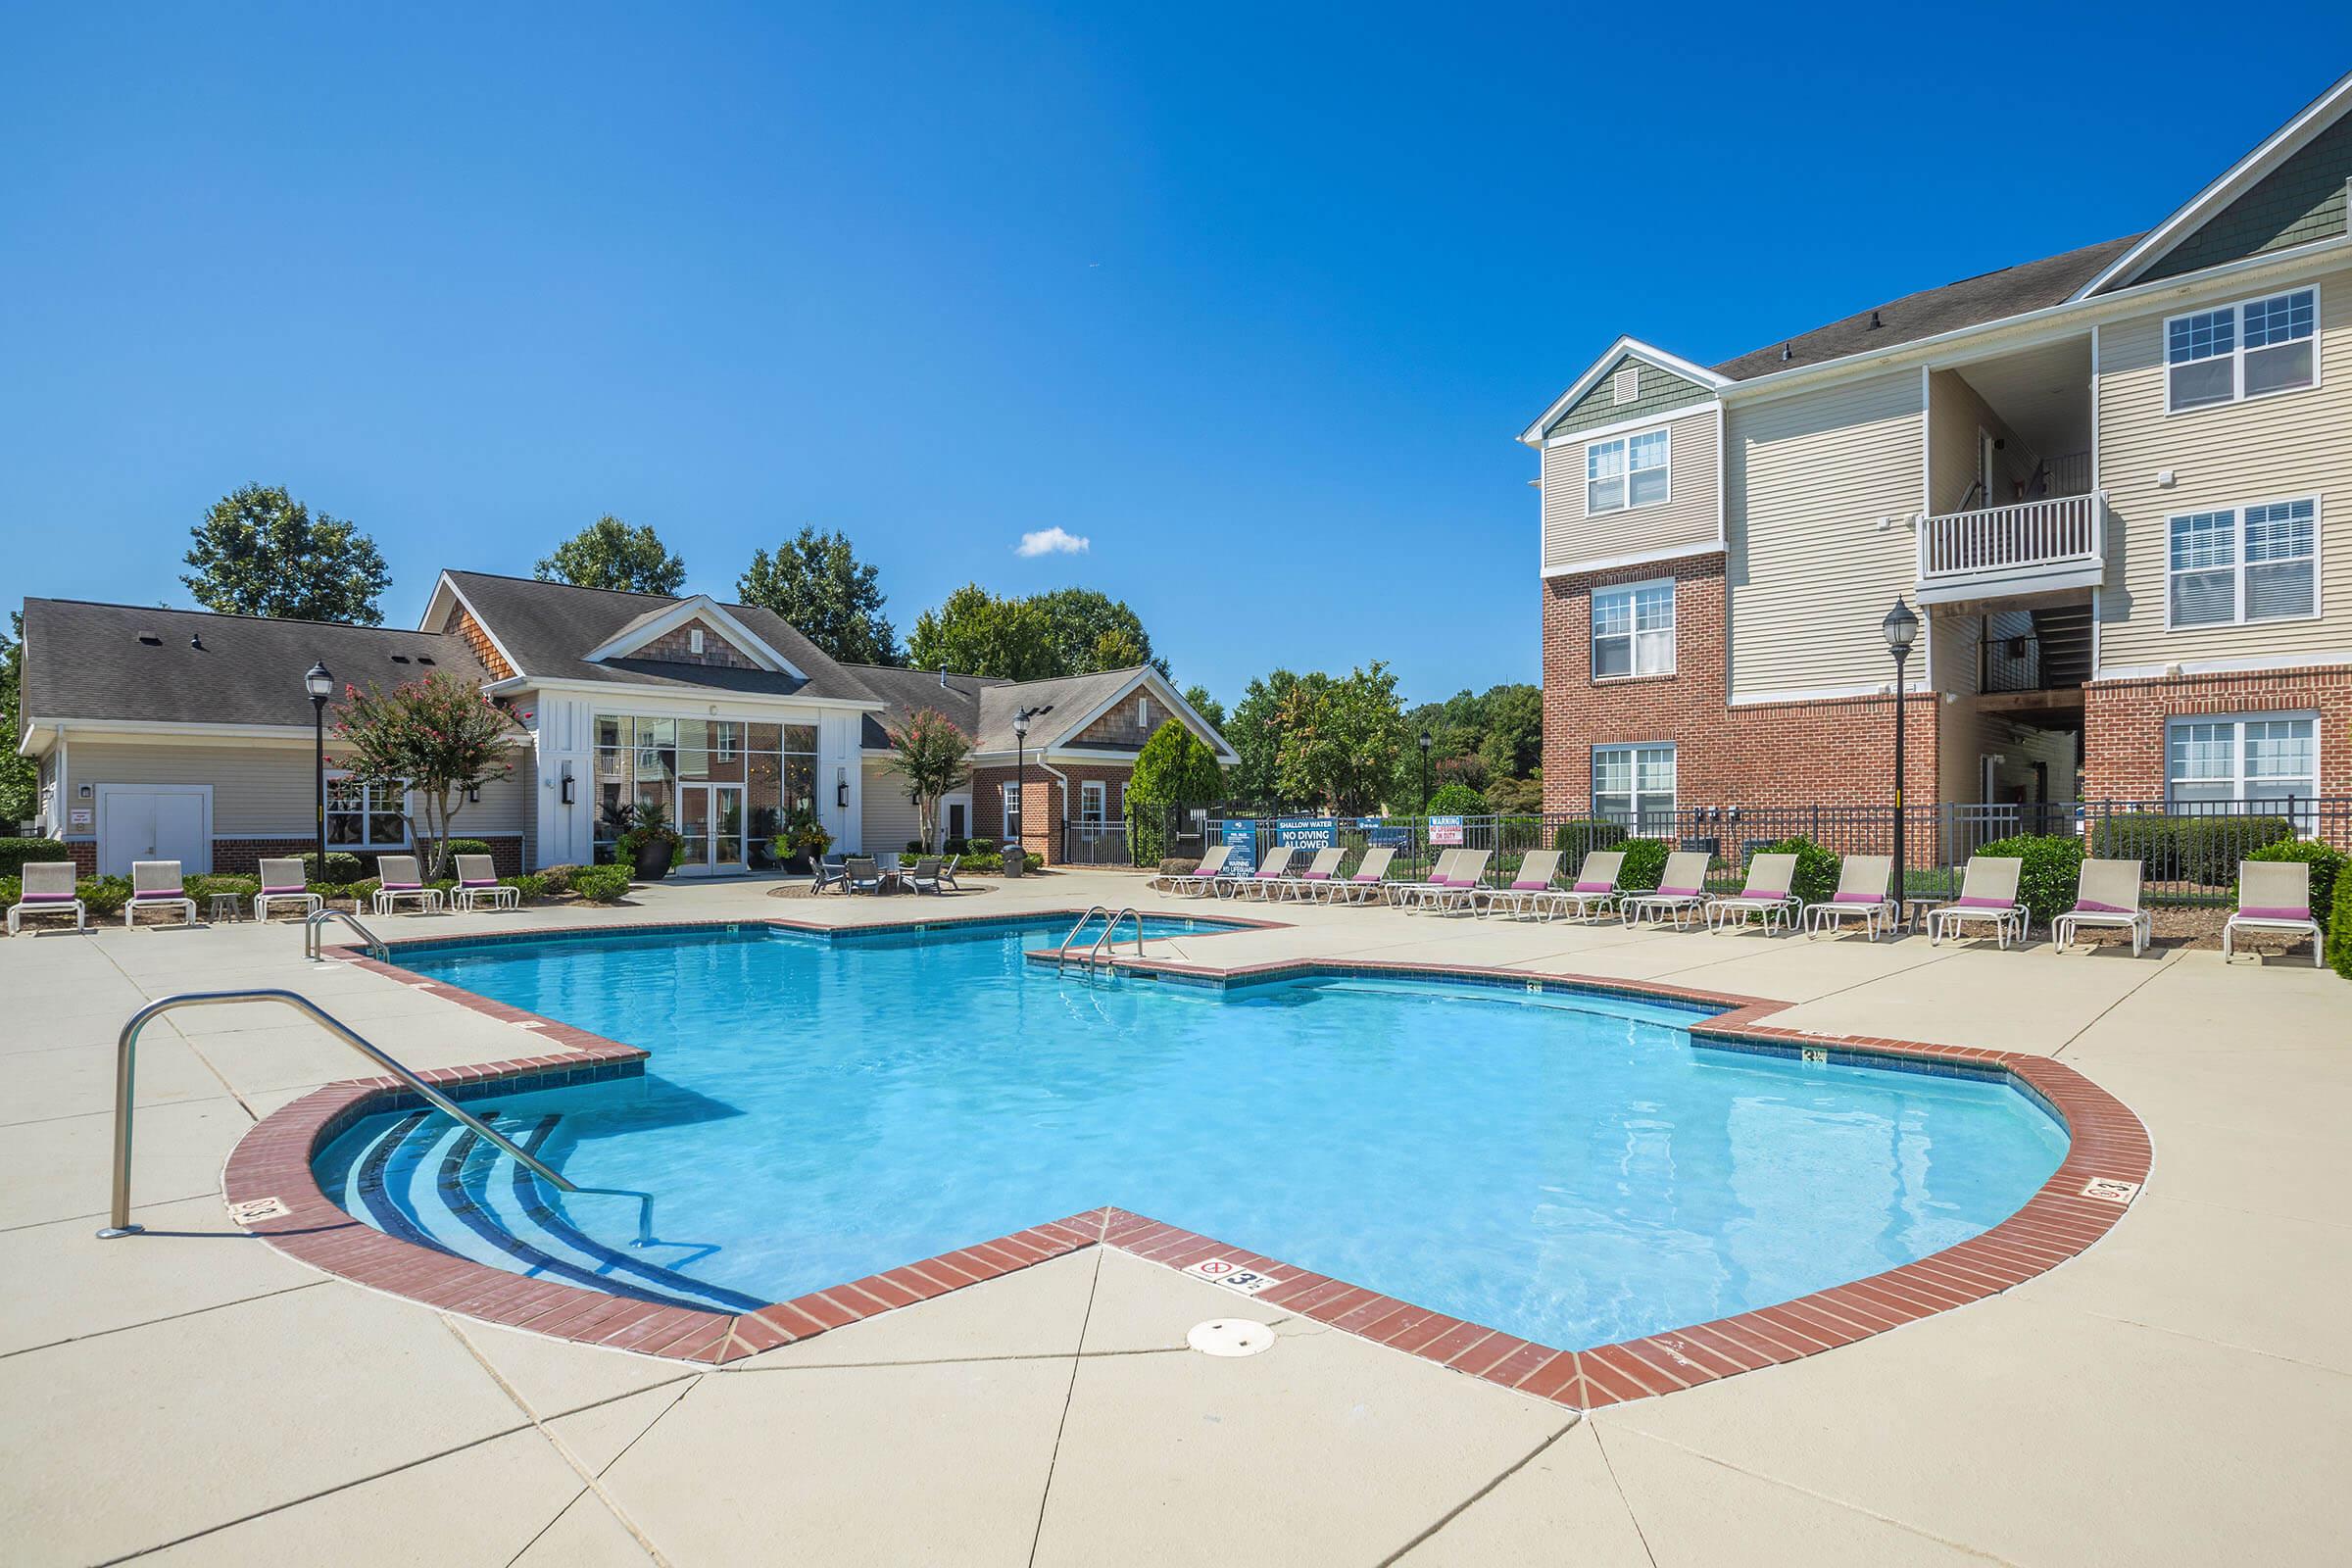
2180, 1394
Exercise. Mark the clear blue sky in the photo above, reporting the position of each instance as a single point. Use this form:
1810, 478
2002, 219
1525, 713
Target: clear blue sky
1254, 305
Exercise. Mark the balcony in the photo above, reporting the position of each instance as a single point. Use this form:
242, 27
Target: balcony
2030, 548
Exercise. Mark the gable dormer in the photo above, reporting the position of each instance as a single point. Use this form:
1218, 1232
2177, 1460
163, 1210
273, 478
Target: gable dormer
1631, 461
697, 631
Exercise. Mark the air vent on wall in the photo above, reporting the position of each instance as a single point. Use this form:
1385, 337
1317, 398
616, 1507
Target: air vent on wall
150, 639
1626, 384
424, 658
400, 659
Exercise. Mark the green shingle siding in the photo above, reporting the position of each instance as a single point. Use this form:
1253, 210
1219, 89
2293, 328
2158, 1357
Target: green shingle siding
2301, 200
1661, 390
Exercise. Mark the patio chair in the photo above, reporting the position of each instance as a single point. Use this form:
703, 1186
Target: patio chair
1319, 870
398, 878
924, 878
1232, 885
1440, 876
1767, 896
48, 889
157, 885
1988, 891
478, 884
1367, 882
1595, 885
2108, 894
1682, 891
1463, 886
1196, 881
833, 873
861, 874
946, 874
1862, 884
1531, 889
2272, 896
283, 882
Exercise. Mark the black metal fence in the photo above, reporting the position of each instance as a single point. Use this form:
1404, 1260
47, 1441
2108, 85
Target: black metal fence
2190, 850
1088, 843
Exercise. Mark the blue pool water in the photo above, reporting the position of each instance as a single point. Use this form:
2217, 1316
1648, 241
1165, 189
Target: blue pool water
1569, 1168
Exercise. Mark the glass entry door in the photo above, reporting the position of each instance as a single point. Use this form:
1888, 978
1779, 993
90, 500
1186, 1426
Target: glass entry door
710, 826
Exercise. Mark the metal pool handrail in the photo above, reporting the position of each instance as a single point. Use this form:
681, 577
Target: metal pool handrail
1111, 930
126, 1045
1061, 955
312, 942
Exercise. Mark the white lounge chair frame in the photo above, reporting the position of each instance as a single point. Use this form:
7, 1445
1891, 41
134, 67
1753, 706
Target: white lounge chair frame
157, 885
1595, 885
2115, 883
1531, 888
1367, 883
1401, 894
1303, 884
1233, 885
1464, 886
2273, 885
1993, 883
1195, 883
48, 889
1769, 896
1687, 874
478, 884
284, 882
1862, 893
398, 877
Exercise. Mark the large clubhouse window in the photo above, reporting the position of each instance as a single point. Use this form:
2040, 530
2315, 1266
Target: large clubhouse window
2242, 351
643, 760
2268, 760
1632, 630
2242, 564
1629, 472
365, 816
1634, 786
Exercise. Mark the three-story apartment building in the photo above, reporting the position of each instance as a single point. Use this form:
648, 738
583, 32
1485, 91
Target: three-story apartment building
2116, 483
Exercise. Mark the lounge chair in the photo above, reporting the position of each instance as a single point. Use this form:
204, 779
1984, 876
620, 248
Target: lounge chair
1464, 884
924, 877
283, 882
1595, 884
1531, 889
1862, 884
1368, 881
48, 889
830, 874
1682, 891
1440, 876
946, 874
398, 878
1232, 885
478, 884
2272, 896
1319, 870
1769, 896
157, 885
1196, 881
861, 874
2108, 894
1988, 891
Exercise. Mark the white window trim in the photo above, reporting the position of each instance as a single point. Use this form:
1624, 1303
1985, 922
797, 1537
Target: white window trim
1008, 803
366, 845
1634, 794
1094, 798
2239, 510
1633, 637
2238, 779
2238, 352
1626, 439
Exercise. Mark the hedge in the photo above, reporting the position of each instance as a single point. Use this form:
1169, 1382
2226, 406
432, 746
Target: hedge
342, 867
2339, 941
15, 853
600, 883
1458, 799
2204, 850
1645, 864
2325, 864
2053, 870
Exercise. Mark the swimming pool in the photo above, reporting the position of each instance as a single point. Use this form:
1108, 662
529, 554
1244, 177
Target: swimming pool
1566, 1167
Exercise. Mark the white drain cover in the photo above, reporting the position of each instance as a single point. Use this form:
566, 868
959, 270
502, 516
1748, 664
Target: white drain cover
1230, 1336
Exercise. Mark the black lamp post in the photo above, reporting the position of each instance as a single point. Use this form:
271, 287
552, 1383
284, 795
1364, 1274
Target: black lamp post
1425, 775
319, 682
1020, 781
1901, 628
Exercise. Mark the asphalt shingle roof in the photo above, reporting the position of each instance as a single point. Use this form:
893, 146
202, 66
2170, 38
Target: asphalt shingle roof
983, 706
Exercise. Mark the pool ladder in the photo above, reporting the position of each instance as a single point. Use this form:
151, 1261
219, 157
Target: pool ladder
1104, 948
313, 939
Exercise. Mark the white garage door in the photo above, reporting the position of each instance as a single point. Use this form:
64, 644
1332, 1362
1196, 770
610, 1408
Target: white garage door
155, 822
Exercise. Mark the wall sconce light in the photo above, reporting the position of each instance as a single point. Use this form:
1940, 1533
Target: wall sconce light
473, 795
567, 789
841, 788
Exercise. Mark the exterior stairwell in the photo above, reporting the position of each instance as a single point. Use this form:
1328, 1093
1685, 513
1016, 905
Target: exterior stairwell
2064, 636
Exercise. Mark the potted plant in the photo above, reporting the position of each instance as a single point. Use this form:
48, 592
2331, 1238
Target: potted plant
649, 844
805, 841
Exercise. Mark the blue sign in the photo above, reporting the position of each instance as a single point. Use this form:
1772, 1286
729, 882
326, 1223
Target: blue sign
1385, 831
1241, 844
1307, 832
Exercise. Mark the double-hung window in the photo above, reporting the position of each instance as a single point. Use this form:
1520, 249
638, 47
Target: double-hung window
2268, 760
2242, 351
1632, 630
1012, 811
2244, 563
1634, 785
361, 815
1089, 803
1627, 472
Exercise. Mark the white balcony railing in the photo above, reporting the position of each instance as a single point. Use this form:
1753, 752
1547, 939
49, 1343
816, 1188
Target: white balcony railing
2057, 543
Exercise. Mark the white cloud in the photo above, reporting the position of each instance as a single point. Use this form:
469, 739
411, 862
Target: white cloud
1055, 541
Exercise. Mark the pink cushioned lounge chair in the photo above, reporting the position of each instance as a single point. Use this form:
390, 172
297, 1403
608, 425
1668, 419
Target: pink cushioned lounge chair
1682, 891
48, 889
283, 883
478, 884
1233, 885
400, 881
1461, 888
1319, 870
1195, 883
157, 885
2108, 894
1767, 896
1862, 883
2272, 896
1368, 881
1595, 885
1988, 891
1530, 890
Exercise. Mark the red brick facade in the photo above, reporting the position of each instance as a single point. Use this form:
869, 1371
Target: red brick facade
1834, 751
1042, 801
2124, 723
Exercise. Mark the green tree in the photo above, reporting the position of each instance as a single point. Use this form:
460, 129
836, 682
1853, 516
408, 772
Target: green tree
1340, 738
610, 554
258, 552
1255, 732
1513, 743
1115, 650
816, 582
1197, 698
1092, 631
976, 633
437, 738
19, 776
1174, 770
933, 757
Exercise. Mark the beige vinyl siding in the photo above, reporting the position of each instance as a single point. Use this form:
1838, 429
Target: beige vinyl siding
1687, 519
1659, 391
2276, 448
1956, 414
1812, 571
890, 817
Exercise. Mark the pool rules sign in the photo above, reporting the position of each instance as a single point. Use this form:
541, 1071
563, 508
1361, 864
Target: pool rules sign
1234, 1277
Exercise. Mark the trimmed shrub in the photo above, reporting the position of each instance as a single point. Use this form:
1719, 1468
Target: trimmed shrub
1645, 863
14, 853
2052, 870
103, 894
1816, 869
558, 878
2326, 867
600, 883
530, 887
980, 845
2204, 850
457, 846
341, 869
2339, 940
204, 887
1458, 799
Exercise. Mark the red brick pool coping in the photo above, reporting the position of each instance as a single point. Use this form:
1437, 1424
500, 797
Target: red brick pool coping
2107, 1146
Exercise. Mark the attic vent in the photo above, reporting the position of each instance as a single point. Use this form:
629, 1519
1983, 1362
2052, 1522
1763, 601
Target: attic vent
400, 659
1875, 323
150, 639
1626, 384
1788, 351
424, 658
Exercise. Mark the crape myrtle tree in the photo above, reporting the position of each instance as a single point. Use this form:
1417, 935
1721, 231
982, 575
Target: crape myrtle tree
933, 757
259, 552
435, 739
610, 554
1173, 772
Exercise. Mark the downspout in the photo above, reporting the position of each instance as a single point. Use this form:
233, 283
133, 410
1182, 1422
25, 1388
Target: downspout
1064, 779
61, 794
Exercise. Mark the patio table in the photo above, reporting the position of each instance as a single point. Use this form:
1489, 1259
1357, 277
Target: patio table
227, 907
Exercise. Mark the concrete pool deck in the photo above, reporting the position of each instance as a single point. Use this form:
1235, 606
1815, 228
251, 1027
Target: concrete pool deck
2182, 1391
